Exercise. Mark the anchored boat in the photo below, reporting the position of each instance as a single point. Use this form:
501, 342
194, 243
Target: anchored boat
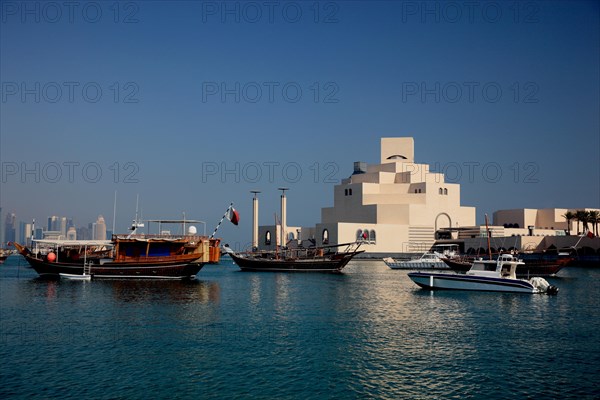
311, 259
159, 256
485, 275
429, 260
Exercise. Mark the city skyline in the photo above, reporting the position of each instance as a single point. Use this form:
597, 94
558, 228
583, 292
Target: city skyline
193, 106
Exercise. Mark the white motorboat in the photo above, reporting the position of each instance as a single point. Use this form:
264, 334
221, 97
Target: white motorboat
77, 277
430, 260
485, 275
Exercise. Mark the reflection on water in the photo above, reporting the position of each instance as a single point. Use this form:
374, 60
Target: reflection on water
172, 291
366, 333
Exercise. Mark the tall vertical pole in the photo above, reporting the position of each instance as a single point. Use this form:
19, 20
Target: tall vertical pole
283, 215
114, 213
255, 220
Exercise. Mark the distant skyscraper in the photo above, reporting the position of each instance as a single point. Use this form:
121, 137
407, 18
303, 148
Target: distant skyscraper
63, 227
22, 233
27, 234
100, 229
53, 223
10, 231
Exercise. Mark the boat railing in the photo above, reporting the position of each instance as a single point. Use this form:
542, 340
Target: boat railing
307, 252
145, 236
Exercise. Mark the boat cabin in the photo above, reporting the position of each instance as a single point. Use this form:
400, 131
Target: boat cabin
504, 267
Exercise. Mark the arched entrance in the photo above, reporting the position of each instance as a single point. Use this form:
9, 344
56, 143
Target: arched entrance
441, 223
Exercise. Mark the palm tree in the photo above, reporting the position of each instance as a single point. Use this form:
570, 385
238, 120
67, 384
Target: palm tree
594, 219
581, 216
569, 216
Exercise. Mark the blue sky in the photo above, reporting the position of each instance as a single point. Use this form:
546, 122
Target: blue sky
193, 104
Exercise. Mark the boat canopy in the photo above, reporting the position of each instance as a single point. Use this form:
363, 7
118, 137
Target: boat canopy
50, 242
150, 239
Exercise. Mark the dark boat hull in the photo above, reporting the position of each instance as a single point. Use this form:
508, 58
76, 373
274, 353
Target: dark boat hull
533, 266
330, 264
144, 270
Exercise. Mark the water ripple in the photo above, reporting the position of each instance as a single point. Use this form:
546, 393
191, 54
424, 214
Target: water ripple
368, 333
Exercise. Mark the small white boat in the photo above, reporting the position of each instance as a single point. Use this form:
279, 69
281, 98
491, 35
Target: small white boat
78, 277
485, 275
430, 260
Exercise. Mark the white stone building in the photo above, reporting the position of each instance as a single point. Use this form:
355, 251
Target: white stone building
395, 206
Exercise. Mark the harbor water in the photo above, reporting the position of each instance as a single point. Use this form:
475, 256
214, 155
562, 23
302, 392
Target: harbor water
366, 333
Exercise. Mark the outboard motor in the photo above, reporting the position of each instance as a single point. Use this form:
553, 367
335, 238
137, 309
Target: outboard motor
552, 290
543, 286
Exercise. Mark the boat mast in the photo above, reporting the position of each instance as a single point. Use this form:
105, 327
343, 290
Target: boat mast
487, 229
114, 212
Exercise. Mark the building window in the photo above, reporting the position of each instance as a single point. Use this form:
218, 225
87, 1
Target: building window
291, 236
372, 238
267, 238
345, 192
325, 236
445, 191
415, 190
349, 192
365, 235
359, 235
441, 191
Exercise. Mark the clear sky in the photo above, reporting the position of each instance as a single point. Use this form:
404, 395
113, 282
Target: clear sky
193, 104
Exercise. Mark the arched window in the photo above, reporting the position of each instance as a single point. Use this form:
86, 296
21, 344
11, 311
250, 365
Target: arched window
349, 192
441, 191
359, 235
445, 191
372, 237
345, 192
291, 236
416, 191
325, 236
365, 235
267, 238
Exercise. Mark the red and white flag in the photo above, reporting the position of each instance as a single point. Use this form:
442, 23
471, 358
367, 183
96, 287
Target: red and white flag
233, 216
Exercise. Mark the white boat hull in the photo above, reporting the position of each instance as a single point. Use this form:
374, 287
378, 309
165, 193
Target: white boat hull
413, 265
469, 282
76, 277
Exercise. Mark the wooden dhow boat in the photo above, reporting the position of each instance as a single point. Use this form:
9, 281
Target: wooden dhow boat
138, 256
300, 259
